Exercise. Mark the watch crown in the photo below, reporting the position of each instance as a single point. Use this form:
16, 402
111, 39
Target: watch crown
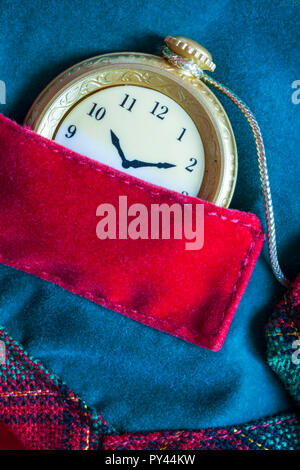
191, 50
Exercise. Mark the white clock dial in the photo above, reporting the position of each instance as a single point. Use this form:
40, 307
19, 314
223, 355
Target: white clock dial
139, 131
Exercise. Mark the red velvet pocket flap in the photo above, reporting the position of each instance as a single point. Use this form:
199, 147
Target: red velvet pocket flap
48, 201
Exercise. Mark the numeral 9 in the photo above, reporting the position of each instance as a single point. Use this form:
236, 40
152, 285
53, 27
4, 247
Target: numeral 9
71, 131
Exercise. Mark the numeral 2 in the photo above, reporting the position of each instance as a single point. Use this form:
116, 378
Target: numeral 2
190, 166
99, 113
159, 111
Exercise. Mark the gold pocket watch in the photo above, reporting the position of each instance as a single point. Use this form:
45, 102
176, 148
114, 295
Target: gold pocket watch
147, 116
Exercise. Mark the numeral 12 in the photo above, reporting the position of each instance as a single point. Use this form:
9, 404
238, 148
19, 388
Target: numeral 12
159, 111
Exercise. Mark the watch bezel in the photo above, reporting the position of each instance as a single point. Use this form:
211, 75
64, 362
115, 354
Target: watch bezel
210, 118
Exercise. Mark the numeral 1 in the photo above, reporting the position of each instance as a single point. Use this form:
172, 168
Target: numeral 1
181, 134
99, 113
133, 101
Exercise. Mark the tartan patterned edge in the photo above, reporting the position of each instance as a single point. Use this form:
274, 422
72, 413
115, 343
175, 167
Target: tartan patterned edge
46, 415
39, 409
283, 341
276, 433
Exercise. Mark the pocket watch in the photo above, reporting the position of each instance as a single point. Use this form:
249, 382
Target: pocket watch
147, 116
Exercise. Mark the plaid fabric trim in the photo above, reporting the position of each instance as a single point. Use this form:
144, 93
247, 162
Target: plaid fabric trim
40, 409
283, 341
45, 414
278, 433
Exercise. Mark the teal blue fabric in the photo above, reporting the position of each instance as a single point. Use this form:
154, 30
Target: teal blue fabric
141, 379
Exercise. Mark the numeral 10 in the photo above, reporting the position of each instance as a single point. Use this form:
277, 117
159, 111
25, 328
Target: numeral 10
97, 112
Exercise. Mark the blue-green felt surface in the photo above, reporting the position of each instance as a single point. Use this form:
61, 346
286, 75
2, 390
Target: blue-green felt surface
139, 378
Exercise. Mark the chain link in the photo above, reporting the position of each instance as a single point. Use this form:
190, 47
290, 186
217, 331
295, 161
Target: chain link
264, 177
195, 70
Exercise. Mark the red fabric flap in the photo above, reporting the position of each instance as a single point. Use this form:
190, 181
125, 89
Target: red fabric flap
48, 201
8, 441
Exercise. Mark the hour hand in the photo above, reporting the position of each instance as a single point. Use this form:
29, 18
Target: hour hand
134, 163
116, 142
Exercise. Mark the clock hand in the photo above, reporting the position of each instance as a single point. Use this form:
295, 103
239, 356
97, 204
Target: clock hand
116, 142
165, 165
134, 163
139, 164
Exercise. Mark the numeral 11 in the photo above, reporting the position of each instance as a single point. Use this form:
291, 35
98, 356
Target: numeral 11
123, 104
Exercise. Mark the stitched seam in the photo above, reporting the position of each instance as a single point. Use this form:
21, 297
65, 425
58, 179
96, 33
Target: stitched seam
253, 442
36, 393
87, 439
143, 439
244, 264
283, 334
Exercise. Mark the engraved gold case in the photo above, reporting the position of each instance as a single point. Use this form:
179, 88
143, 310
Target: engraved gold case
149, 71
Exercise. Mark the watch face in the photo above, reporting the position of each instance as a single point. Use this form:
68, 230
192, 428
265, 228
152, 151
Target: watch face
139, 131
